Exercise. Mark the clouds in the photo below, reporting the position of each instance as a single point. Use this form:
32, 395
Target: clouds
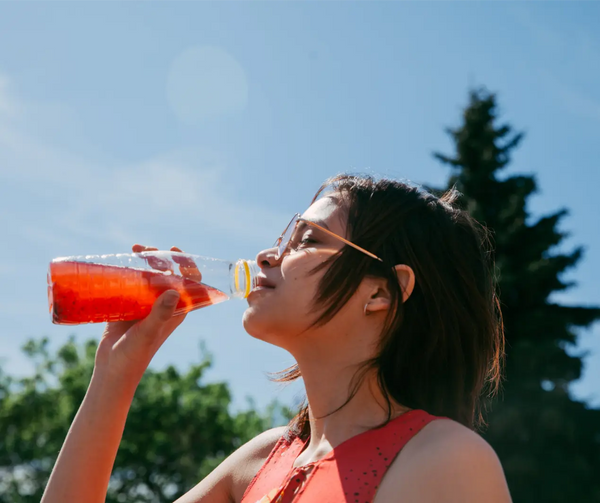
57, 197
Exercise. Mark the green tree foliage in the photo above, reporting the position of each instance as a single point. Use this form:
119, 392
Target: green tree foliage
549, 443
177, 431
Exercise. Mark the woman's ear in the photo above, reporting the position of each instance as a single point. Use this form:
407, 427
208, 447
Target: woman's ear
406, 278
380, 298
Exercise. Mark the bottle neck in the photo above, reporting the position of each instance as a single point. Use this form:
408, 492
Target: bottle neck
243, 278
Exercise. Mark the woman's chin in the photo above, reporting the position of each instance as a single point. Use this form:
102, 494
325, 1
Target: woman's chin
258, 327
253, 324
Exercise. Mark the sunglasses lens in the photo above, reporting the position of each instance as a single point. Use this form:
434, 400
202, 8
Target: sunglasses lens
285, 239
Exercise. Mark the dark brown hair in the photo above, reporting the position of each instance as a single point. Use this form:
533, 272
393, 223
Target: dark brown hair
444, 347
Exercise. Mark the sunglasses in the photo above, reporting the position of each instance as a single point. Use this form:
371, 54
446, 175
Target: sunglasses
282, 243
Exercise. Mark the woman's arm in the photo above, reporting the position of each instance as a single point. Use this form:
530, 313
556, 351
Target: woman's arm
85, 462
82, 470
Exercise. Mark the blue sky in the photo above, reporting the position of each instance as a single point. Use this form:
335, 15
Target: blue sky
207, 125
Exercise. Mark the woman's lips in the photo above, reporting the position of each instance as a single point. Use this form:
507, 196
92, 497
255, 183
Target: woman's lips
259, 290
262, 282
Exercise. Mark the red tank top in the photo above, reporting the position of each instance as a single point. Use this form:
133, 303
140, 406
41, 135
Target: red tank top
351, 472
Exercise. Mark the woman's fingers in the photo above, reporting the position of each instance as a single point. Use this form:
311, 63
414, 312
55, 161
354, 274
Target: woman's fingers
150, 333
127, 347
137, 248
157, 263
187, 267
115, 329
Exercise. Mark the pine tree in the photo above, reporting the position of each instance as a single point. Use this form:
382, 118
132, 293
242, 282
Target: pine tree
549, 443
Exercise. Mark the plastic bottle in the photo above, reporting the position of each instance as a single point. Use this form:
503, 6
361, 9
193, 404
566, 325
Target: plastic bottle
100, 288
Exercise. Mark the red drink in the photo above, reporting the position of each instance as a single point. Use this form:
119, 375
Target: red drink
92, 293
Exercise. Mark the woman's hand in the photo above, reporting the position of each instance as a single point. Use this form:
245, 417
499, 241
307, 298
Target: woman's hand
83, 468
127, 347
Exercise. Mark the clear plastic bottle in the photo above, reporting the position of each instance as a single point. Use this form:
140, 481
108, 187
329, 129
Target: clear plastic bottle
100, 288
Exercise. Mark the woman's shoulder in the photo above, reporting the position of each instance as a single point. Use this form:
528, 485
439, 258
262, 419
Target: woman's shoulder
445, 461
443, 431
228, 482
261, 446
248, 459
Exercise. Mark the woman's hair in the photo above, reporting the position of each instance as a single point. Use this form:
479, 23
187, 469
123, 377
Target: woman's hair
442, 348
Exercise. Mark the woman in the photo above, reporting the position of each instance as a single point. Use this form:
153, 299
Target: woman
384, 296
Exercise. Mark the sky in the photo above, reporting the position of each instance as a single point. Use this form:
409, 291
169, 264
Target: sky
207, 125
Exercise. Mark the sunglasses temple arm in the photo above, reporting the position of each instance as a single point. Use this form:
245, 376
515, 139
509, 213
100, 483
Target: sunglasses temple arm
347, 242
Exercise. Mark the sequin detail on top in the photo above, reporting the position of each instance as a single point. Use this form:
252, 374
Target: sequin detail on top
351, 472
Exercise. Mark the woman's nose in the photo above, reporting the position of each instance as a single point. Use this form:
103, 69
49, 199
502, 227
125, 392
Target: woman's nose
267, 258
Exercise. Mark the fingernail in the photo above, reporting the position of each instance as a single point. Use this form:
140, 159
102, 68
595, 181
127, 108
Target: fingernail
170, 299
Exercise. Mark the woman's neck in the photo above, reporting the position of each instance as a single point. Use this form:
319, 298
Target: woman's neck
328, 385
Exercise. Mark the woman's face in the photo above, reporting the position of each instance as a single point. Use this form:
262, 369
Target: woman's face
278, 314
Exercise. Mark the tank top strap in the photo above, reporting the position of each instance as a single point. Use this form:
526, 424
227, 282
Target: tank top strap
275, 471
